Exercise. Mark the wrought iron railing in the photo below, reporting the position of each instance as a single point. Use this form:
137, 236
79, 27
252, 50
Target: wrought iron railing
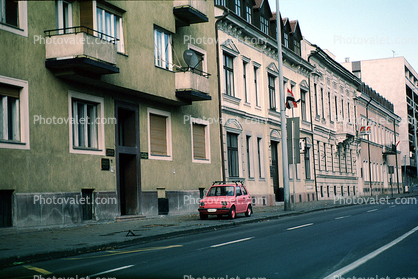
81, 29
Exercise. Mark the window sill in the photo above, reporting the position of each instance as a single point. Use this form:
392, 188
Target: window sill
11, 144
160, 157
168, 70
87, 151
200, 161
123, 54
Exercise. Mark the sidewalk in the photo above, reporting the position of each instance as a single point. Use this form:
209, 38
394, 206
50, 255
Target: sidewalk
18, 246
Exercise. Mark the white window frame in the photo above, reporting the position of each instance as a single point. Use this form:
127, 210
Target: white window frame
23, 113
169, 156
260, 158
22, 29
164, 62
100, 150
59, 5
207, 140
120, 45
201, 52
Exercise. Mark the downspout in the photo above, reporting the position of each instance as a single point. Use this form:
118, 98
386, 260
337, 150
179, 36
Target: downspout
368, 147
396, 157
313, 143
226, 13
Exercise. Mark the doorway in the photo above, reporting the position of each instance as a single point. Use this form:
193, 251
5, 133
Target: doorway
278, 191
6, 208
127, 158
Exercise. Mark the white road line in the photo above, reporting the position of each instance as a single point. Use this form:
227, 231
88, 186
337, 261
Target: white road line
392, 206
230, 242
354, 265
112, 270
342, 217
301, 226
372, 210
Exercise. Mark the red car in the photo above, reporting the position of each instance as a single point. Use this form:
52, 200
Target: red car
226, 198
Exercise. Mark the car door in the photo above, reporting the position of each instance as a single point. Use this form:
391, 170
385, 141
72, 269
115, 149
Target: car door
241, 205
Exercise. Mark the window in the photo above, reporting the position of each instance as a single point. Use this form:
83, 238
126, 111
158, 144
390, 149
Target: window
220, 2
325, 156
200, 141
248, 11
238, 7
111, 26
256, 86
286, 39
232, 147
86, 131
14, 114
332, 157
342, 191
342, 109
14, 17
297, 46
272, 92
316, 100
248, 140
348, 112
303, 104
329, 106
162, 49
85, 124
260, 157
264, 25
244, 78
229, 75
307, 164
336, 108
319, 155
64, 12
159, 134
322, 103
201, 55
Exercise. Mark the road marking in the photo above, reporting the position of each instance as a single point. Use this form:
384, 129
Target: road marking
373, 210
354, 265
37, 269
392, 206
114, 253
231, 242
342, 217
301, 226
111, 270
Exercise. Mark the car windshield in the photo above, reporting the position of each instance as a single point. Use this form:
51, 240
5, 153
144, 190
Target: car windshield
218, 191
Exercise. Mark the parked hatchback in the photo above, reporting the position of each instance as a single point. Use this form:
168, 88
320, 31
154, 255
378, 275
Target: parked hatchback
223, 198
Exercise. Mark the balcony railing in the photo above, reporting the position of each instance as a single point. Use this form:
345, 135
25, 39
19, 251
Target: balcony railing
192, 84
344, 131
190, 11
80, 41
389, 149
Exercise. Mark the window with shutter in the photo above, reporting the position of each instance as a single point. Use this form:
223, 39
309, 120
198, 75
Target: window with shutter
199, 142
158, 135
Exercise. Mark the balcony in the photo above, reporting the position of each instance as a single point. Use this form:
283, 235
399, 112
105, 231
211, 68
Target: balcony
78, 52
389, 149
192, 85
190, 11
344, 131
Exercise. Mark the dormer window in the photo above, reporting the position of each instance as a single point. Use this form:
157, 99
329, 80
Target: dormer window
264, 25
238, 7
248, 11
297, 46
286, 40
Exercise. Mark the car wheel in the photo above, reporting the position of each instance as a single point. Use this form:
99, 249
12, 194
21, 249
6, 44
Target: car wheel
203, 216
249, 211
232, 213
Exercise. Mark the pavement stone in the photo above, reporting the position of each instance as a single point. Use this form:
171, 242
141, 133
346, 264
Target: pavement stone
18, 246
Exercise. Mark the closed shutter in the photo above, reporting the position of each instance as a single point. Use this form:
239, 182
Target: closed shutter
86, 14
199, 146
10, 91
158, 134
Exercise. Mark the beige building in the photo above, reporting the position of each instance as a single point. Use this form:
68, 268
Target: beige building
396, 80
249, 96
100, 116
379, 168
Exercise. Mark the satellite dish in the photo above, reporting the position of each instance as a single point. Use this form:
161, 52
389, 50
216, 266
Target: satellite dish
191, 58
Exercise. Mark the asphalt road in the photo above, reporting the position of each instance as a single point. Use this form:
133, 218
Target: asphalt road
363, 241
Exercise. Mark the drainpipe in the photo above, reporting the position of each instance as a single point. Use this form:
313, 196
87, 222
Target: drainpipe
226, 13
368, 147
396, 157
313, 143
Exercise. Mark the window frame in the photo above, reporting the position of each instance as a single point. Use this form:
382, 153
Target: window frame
22, 28
168, 63
271, 85
99, 101
245, 79
228, 71
61, 16
237, 6
23, 114
120, 45
260, 155
235, 151
198, 121
169, 156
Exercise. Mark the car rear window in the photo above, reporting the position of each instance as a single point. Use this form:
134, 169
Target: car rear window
218, 191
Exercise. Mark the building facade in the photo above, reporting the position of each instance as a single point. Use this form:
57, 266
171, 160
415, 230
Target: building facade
101, 116
333, 89
397, 81
378, 157
249, 97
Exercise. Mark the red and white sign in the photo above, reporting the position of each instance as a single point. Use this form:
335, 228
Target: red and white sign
365, 130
